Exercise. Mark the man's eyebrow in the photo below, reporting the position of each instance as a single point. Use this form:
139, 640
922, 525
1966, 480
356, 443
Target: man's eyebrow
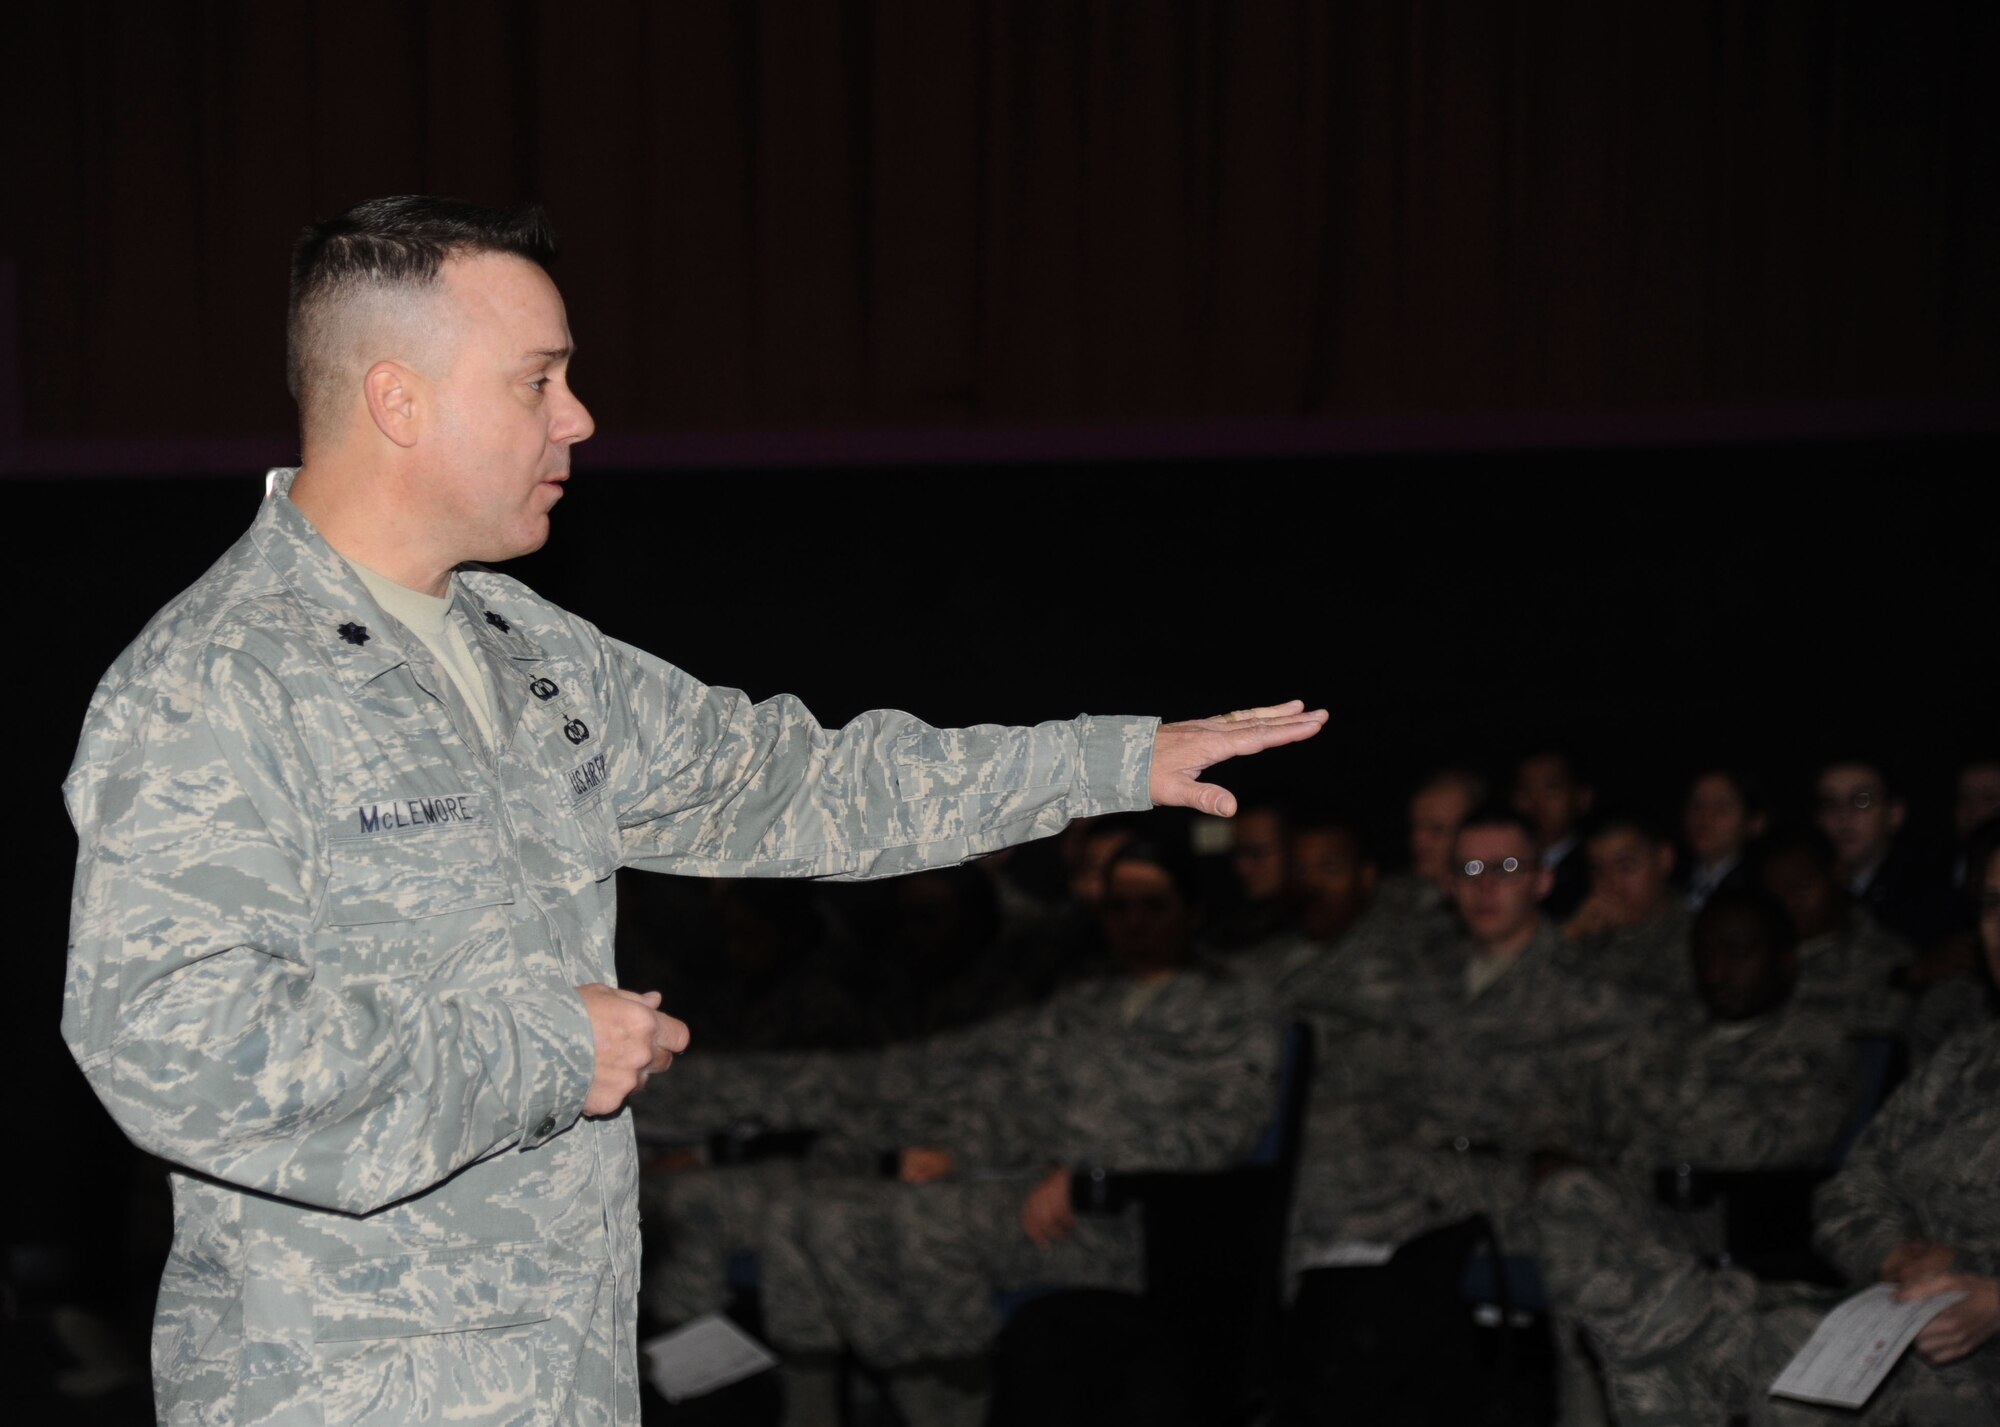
554, 354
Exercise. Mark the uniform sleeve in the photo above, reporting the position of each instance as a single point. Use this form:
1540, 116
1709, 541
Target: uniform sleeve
1862, 1212
712, 784
193, 1006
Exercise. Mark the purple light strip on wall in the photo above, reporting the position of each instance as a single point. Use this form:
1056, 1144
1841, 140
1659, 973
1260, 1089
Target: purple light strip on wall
1085, 444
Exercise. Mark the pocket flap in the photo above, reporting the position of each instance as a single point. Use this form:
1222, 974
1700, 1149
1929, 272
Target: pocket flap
448, 1291
411, 875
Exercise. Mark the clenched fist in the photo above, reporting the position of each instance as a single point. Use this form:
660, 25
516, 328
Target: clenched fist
634, 1039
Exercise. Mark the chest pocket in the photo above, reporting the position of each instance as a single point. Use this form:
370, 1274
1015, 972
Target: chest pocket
419, 874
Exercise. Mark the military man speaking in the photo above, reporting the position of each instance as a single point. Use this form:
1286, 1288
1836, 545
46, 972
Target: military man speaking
348, 812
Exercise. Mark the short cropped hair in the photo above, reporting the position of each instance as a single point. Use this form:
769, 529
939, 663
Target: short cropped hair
1497, 814
378, 247
1636, 821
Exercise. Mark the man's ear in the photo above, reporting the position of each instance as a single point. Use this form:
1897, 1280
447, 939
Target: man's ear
1898, 810
1666, 859
393, 394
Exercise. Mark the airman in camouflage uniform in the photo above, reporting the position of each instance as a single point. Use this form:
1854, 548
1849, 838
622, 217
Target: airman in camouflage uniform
1632, 929
1681, 1342
341, 956
1440, 1104
1846, 957
1113, 1073
1170, 1064
1759, 1079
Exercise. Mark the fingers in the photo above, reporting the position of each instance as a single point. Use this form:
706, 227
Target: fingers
1928, 1284
669, 1033
1291, 706
1947, 1337
633, 1038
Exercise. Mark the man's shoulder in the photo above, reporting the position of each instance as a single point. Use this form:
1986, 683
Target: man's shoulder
238, 602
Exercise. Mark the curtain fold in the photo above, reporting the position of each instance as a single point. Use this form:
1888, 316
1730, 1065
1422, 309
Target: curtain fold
967, 212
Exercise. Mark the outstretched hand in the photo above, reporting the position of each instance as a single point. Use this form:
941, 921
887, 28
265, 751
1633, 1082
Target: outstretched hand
1182, 752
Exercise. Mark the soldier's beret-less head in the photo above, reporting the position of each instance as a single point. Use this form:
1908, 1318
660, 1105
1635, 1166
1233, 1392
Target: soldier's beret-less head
365, 285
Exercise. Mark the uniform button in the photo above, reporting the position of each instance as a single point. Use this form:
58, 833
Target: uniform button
546, 1128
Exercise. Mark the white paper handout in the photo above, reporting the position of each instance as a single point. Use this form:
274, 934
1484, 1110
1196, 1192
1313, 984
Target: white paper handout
701, 1356
1855, 1345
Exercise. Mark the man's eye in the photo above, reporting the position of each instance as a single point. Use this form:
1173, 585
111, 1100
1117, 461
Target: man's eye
538, 383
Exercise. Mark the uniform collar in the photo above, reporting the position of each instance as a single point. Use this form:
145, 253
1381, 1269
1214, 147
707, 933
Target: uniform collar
359, 639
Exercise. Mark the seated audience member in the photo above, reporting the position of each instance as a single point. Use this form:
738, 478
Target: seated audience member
1440, 803
1949, 979
1067, 945
1331, 887
1847, 960
1164, 1063
1262, 913
1433, 1117
944, 963
1758, 1080
1975, 804
1724, 814
1555, 799
778, 985
1632, 930
1914, 1206
1862, 815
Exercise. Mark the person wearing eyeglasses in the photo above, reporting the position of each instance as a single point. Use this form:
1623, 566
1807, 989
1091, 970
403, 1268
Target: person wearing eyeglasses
1862, 812
1846, 956
1914, 1207
1442, 1107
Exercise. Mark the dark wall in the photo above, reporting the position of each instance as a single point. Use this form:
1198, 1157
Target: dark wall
945, 212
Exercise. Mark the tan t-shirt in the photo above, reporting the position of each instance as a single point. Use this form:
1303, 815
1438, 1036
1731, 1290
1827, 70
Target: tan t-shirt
432, 620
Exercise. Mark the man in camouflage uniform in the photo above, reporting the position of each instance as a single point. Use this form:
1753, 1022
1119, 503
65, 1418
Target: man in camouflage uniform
1438, 1108
341, 939
1170, 1063
1915, 1205
1757, 1080
1437, 809
1632, 929
1846, 957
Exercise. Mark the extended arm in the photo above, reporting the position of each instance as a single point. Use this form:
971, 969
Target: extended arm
713, 784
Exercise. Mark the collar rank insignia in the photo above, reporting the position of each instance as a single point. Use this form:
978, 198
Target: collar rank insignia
498, 623
356, 634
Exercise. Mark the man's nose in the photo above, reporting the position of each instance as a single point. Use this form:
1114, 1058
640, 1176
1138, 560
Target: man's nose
573, 424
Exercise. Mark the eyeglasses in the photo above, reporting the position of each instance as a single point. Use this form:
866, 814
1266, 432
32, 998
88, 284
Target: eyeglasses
1506, 867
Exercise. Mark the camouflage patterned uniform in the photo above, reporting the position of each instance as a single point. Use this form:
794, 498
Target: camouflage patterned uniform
1651, 960
324, 946
1768, 1091
1847, 971
1683, 1343
1436, 1112
1112, 1073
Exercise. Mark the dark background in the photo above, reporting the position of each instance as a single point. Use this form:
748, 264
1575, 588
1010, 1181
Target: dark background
1620, 377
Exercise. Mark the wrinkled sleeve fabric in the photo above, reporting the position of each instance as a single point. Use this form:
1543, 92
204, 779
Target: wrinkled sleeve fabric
1862, 1212
191, 1000
712, 784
